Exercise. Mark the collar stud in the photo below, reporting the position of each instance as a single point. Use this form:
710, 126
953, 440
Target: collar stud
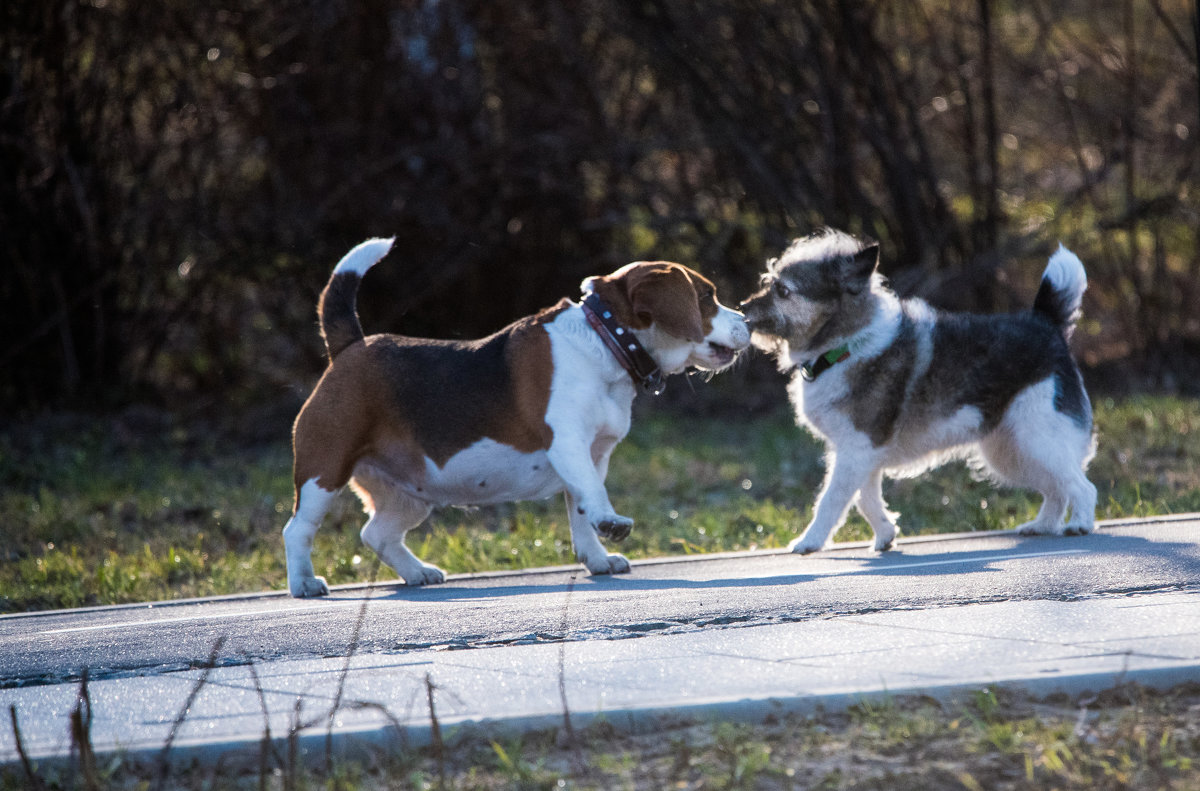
632, 356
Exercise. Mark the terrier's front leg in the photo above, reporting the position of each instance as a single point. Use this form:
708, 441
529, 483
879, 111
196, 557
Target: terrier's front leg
841, 485
872, 506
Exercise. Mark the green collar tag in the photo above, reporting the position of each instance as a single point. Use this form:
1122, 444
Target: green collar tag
811, 370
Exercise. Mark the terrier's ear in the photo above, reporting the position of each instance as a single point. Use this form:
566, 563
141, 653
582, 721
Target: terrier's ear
857, 271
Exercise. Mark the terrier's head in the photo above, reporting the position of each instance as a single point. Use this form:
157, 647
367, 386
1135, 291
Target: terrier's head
817, 291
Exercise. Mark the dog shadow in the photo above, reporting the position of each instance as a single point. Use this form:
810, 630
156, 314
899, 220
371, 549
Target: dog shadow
896, 562
583, 583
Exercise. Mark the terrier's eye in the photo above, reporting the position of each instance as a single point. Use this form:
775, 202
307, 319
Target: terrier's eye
781, 290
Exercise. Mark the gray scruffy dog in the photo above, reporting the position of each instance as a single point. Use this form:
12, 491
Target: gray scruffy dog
896, 387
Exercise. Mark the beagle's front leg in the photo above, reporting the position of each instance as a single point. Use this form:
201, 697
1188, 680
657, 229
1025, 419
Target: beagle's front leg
589, 510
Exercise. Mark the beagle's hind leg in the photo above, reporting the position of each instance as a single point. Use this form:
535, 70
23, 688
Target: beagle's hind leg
312, 503
392, 513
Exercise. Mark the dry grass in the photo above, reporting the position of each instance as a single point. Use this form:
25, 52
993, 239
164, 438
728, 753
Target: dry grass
1129, 737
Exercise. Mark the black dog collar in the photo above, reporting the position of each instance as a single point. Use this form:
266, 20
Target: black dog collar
814, 368
632, 356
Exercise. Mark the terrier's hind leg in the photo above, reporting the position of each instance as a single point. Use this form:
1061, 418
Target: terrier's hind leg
1083, 506
1037, 447
1049, 520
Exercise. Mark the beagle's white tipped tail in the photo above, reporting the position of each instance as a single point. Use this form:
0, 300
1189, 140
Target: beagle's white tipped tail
338, 306
363, 256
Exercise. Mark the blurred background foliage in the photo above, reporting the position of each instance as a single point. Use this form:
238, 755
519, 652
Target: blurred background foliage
177, 179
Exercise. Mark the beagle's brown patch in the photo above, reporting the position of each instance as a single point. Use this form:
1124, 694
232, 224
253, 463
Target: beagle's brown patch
399, 400
682, 302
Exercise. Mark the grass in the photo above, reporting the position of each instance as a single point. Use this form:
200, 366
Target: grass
97, 514
1129, 737
94, 514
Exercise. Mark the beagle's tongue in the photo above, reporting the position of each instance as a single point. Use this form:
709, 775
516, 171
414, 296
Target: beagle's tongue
724, 354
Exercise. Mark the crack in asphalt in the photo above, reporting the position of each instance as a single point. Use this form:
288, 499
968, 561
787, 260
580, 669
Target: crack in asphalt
635, 630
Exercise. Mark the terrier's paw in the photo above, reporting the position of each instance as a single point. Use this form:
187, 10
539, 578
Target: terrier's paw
1039, 529
425, 574
608, 564
307, 587
614, 528
805, 545
885, 540
1077, 530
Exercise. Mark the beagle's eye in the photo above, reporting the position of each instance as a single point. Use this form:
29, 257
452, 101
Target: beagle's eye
781, 290
706, 294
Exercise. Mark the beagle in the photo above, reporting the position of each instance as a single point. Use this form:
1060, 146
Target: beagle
532, 410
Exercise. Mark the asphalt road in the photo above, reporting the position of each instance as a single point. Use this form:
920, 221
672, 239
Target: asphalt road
673, 596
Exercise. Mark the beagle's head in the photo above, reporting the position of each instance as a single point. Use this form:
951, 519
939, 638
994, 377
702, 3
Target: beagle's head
675, 315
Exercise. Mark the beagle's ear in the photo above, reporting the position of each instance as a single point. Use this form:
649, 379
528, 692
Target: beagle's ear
661, 294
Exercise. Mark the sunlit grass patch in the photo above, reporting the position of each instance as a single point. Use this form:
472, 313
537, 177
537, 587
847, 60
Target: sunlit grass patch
92, 518
1148, 457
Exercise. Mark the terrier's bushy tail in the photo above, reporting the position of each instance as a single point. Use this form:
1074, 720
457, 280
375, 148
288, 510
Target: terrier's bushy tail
1061, 294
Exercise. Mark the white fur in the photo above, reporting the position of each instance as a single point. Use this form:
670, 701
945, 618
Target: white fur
854, 468
673, 356
487, 473
813, 400
729, 329
1065, 271
1037, 447
1034, 447
363, 256
312, 502
591, 400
